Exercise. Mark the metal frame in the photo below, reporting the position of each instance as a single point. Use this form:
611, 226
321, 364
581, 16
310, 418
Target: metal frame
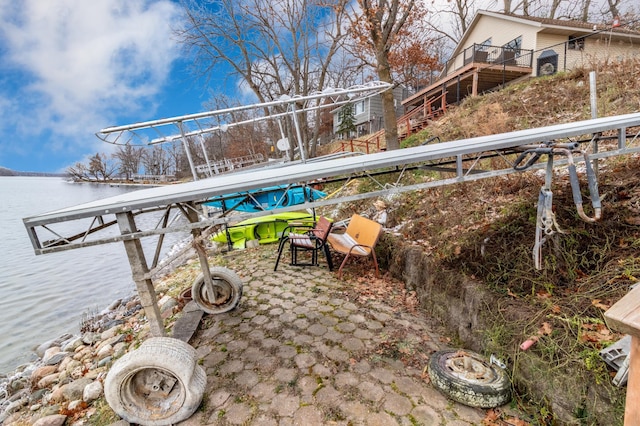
90, 221
163, 130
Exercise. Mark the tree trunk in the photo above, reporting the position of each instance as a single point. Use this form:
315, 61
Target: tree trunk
388, 107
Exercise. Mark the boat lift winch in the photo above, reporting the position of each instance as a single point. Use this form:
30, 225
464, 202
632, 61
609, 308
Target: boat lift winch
546, 224
113, 220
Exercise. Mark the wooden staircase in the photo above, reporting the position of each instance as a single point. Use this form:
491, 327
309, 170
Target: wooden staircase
410, 123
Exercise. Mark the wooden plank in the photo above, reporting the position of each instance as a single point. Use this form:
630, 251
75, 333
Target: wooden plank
632, 408
624, 315
187, 324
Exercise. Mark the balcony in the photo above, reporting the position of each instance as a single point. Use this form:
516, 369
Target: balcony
475, 70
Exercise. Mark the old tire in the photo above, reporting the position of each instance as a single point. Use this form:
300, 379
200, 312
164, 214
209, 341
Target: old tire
466, 377
158, 384
228, 288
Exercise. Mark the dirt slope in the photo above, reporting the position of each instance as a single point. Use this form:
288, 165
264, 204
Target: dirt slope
484, 231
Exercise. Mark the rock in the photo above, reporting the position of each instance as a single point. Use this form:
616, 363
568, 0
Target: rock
53, 420
85, 353
111, 332
50, 410
48, 381
110, 341
104, 351
167, 303
72, 365
104, 361
76, 405
72, 344
113, 323
40, 350
120, 349
15, 406
92, 391
55, 395
113, 306
22, 393
18, 384
51, 351
41, 372
95, 373
37, 395
55, 358
72, 390
89, 338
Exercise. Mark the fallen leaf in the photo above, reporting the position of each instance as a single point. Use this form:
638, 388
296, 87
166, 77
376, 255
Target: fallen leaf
491, 418
597, 304
543, 294
545, 329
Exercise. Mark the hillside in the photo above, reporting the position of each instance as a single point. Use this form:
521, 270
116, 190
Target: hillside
475, 242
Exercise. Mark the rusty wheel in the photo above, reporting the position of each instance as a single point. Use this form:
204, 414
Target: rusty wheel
227, 288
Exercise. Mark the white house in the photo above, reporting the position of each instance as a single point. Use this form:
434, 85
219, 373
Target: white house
498, 48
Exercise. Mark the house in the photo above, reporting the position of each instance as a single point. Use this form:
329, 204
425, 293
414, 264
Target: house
498, 48
367, 113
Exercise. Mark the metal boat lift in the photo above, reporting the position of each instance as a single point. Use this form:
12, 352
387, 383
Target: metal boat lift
166, 367
89, 224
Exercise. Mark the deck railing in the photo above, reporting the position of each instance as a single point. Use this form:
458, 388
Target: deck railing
493, 55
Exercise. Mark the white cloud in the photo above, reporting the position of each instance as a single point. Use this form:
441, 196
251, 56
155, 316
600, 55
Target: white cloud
76, 64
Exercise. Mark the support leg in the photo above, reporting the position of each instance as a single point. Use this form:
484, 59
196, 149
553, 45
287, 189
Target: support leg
632, 408
139, 269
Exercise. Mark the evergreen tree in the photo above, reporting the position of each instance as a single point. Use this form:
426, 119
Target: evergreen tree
347, 120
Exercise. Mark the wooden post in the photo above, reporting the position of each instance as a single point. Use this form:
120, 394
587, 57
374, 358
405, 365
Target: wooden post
624, 317
139, 270
474, 85
632, 408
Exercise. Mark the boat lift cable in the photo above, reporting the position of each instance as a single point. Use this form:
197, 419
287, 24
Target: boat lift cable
546, 224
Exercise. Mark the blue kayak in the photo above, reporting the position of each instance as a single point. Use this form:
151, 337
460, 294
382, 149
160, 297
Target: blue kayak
262, 199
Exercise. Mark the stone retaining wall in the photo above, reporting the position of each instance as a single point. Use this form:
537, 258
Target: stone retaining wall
466, 308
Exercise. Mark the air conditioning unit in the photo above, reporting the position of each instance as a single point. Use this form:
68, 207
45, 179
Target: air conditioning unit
547, 63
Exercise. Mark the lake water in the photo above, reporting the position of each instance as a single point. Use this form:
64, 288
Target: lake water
43, 297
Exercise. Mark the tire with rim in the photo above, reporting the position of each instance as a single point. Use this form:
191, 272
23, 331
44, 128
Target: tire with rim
159, 383
466, 377
227, 286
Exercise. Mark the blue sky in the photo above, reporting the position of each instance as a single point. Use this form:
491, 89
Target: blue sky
69, 68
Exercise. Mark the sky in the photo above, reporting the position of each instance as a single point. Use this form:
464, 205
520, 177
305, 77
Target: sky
69, 68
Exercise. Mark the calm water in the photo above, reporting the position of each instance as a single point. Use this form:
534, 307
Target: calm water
43, 297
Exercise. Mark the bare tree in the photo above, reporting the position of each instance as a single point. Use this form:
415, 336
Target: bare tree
155, 161
78, 172
580, 10
377, 26
100, 168
129, 158
272, 47
451, 20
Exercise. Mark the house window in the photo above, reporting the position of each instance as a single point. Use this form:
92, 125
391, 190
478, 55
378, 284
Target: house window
359, 108
515, 45
575, 43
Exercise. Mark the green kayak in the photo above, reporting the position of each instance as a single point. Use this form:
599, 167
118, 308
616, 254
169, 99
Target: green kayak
265, 229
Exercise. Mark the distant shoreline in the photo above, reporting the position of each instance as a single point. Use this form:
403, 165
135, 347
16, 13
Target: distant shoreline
13, 173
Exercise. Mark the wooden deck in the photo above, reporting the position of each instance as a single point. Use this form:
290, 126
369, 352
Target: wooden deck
484, 68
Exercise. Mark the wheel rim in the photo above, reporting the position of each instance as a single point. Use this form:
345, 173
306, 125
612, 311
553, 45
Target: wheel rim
470, 369
223, 294
152, 393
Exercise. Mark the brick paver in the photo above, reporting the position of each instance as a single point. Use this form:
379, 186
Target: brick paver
296, 351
